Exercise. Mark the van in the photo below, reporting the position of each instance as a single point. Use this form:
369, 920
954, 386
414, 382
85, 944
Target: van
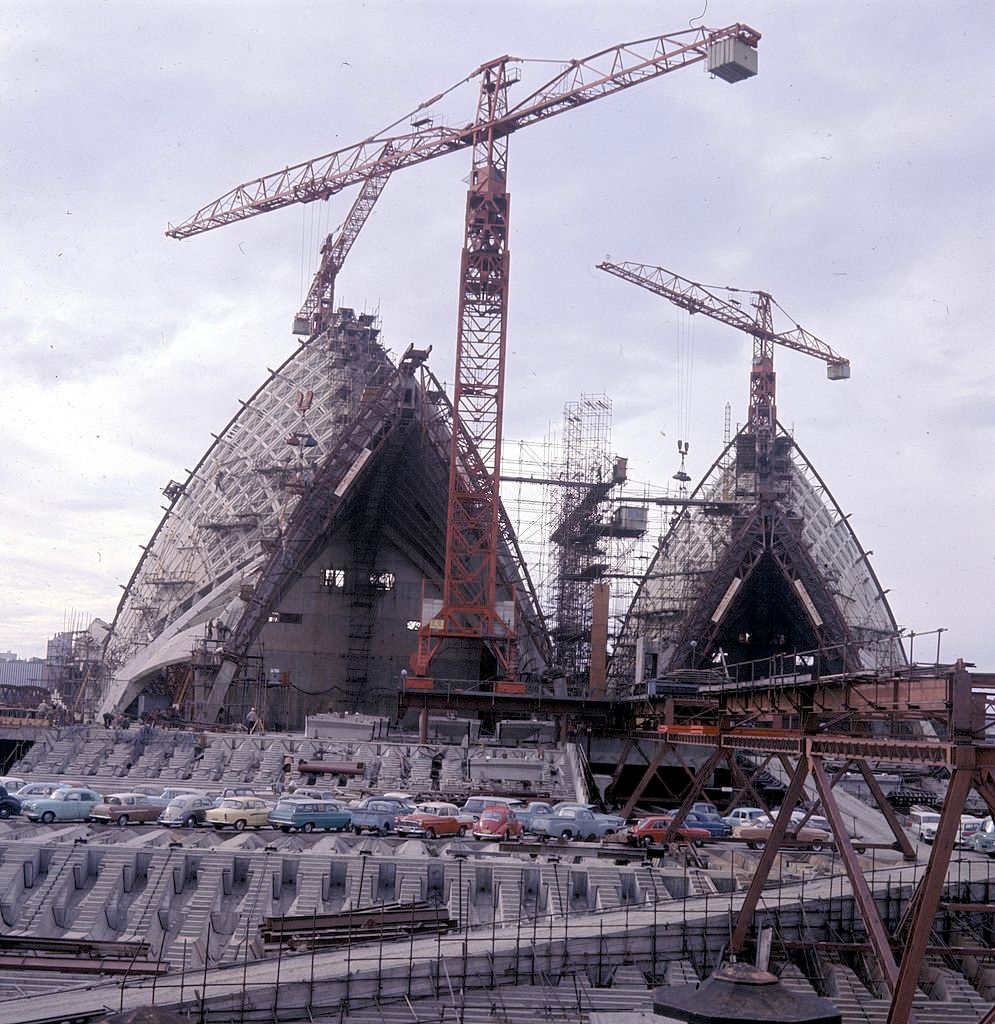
476, 804
922, 823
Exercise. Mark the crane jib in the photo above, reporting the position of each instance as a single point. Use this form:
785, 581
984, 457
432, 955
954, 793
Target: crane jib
582, 81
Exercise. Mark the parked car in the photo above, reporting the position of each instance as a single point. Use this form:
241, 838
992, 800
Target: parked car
237, 791
379, 814
432, 820
756, 836
497, 821
308, 815
311, 793
528, 812
967, 829
123, 808
606, 822
36, 789
9, 803
187, 811
476, 804
240, 812
815, 820
706, 808
574, 823
11, 783
711, 823
154, 793
65, 804
983, 840
171, 792
652, 830
745, 816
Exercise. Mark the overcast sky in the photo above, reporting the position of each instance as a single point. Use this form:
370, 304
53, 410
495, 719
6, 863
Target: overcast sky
853, 178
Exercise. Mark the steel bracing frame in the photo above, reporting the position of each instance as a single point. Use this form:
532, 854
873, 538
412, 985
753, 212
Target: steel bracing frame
804, 753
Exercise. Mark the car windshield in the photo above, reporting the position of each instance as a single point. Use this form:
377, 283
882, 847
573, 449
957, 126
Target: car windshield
491, 816
60, 794
114, 800
178, 801
231, 803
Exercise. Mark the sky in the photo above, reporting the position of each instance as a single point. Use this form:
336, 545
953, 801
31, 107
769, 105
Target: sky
852, 178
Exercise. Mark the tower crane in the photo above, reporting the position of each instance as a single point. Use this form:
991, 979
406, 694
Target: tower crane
723, 305
470, 608
320, 300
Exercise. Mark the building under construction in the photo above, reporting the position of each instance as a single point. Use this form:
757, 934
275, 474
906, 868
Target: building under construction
340, 561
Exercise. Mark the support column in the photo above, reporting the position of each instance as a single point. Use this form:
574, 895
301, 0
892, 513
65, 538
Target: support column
423, 726
702, 776
901, 836
651, 768
876, 931
932, 884
795, 789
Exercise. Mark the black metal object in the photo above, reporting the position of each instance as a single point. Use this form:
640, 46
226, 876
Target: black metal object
737, 993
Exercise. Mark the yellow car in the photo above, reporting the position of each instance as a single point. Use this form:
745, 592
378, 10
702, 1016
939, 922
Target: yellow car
239, 812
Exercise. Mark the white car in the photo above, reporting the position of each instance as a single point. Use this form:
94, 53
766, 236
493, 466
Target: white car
746, 816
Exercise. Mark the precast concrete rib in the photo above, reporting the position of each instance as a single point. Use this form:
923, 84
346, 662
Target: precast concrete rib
479, 958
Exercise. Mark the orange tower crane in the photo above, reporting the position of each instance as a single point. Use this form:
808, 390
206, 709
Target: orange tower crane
470, 608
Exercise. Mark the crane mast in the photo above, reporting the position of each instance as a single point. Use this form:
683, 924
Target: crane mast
759, 324
470, 607
320, 300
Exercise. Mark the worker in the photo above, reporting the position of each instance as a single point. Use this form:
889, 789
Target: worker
251, 720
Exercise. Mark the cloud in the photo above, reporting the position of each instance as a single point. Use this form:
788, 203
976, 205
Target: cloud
851, 179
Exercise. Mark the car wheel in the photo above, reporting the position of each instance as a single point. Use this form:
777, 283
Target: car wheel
860, 849
219, 827
47, 818
284, 828
357, 830
646, 841
122, 819
190, 822
308, 826
461, 831
699, 843
385, 829
815, 847
240, 825
430, 833
4, 812
566, 835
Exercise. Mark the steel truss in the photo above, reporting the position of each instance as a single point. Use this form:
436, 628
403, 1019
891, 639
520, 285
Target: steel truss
804, 754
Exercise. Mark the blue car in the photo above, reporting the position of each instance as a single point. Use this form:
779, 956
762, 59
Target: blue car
66, 804
308, 815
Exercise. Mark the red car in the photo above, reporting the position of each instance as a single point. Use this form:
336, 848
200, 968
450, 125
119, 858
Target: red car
432, 820
497, 822
648, 831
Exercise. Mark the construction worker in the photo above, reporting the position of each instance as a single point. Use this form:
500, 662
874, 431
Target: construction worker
251, 720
